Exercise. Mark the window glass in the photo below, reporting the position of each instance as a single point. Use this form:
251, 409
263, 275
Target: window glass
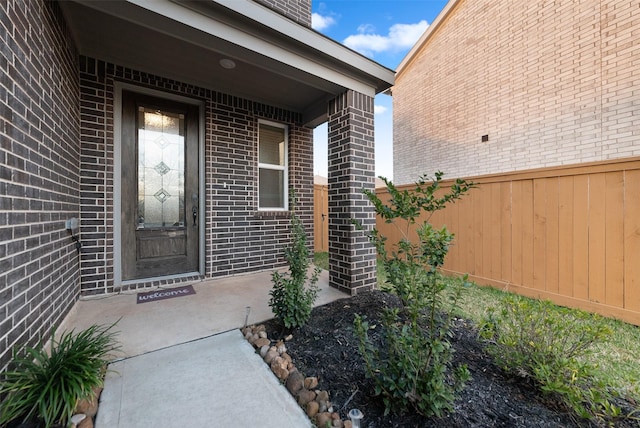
272, 167
271, 188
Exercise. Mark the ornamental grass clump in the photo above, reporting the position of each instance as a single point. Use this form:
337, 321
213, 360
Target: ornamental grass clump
291, 299
46, 386
413, 367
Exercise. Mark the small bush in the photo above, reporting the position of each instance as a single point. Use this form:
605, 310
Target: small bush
550, 344
291, 301
47, 386
413, 369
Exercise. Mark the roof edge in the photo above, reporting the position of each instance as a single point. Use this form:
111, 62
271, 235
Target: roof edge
410, 56
322, 45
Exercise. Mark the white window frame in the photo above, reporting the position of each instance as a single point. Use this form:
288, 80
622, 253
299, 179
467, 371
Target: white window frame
284, 168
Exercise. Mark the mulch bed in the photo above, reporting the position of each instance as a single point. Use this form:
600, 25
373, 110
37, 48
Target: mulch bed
326, 347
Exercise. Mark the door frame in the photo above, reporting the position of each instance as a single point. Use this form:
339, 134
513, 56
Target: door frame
117, 179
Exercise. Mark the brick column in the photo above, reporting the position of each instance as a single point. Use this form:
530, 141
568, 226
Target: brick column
352, 259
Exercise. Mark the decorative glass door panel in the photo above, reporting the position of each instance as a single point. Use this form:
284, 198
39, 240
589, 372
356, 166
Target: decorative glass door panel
160, 169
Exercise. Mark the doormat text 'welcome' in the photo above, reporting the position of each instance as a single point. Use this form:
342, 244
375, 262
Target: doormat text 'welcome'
168, 293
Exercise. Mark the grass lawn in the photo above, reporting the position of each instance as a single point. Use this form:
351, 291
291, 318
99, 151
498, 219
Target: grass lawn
617, 359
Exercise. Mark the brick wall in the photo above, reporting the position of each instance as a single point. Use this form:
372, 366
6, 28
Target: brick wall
298, 10
352, 258
550, 83
238, 238
39, 156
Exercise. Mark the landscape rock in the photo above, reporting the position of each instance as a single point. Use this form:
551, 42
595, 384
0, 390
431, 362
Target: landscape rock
305, 396
348, 424
76, 419
323, 418
279, 368
89, 407
262, 334
322, 396
86, 423
312, 408
270, 356
295, 382
261, 341
288, 338
310, 382
264, 350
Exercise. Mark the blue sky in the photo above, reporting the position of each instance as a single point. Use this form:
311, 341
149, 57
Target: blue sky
385, 31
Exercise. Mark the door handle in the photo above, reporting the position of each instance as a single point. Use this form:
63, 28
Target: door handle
194, 210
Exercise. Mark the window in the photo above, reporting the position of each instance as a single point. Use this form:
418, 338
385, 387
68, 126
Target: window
272, 166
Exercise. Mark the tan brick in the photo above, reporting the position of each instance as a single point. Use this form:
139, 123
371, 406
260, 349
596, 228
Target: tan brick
531, 75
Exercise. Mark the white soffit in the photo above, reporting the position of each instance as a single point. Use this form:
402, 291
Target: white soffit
190, 15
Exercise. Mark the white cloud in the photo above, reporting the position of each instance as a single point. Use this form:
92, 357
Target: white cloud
400, 36
378, 109
321, 22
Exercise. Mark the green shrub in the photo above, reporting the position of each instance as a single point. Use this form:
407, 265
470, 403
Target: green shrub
47, 386
413, 370
291, 301
550, 345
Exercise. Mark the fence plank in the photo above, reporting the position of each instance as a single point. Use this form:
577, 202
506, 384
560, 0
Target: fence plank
552, 244
452, 223
632, 240
539, 233
614, 235
466, 226
505, 231
516, 247
495, 231
527, 233
597, 243
477, 228
581, 237
565, 236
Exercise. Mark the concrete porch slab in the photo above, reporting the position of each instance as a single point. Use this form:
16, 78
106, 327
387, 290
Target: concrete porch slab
185, 363
219, 305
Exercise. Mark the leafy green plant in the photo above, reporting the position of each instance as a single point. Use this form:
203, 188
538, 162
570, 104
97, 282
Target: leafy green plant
413, 368
551, 345
291, 299
47, 386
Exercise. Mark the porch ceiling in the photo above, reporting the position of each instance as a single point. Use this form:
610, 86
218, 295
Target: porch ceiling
277, 61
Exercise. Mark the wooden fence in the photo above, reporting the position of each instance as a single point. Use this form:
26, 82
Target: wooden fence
567, 234
320, 218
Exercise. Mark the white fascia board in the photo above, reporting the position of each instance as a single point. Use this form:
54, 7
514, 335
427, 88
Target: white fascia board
307, 36
220, 29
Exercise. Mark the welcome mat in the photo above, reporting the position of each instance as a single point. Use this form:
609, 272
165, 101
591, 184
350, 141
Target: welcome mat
168, 293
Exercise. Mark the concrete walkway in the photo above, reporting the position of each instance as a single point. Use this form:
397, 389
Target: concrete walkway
185, 363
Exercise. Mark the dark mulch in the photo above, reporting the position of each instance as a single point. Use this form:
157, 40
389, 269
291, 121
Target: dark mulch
326, 347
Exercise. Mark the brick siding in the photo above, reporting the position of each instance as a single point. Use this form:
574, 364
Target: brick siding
550, 83
297, 10
238, 238
352, 258
39, 176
